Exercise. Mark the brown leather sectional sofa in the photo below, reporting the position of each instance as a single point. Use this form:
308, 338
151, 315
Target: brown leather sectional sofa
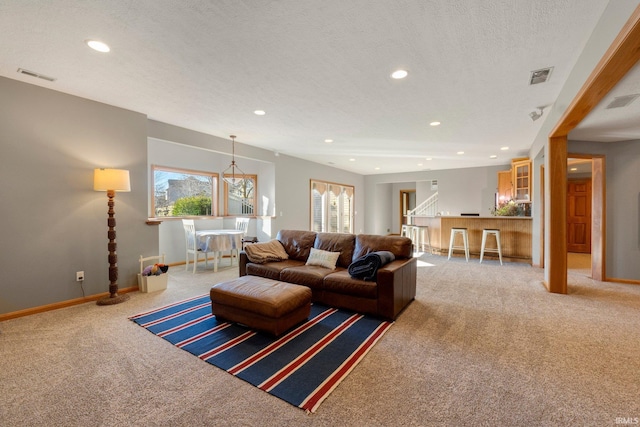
393, 289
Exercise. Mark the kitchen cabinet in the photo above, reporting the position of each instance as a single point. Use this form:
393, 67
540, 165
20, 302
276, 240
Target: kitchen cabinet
521, 180
505, 189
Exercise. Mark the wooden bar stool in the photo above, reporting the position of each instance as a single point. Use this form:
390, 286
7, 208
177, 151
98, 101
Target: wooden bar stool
498, 249
465, 241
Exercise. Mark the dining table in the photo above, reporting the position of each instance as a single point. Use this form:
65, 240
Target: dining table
218, 242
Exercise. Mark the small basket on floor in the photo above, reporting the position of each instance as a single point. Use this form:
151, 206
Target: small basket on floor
154, 282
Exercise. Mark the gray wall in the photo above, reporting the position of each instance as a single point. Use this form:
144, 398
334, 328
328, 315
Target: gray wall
613, 19
459, 191
165, 153
53, 223
394, 202
622, 187
292, 176
283, 183
171, 235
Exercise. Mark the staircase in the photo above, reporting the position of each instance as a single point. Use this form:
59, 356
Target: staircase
427, 208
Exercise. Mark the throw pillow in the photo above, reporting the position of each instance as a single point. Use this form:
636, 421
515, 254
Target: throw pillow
266, 252
322, 258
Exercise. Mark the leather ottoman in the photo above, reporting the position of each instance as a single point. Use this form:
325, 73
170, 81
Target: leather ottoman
264, 304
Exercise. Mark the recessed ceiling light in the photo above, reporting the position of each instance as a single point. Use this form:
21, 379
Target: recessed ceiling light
399, 74
428, 158
460, 152
328, 141
493, 156
504, 148
377, 168
574, 169
259, 112
419, 164
352, 160
434, 124
98, 45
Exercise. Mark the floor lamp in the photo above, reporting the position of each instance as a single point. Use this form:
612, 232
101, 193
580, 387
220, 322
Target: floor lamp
112, 180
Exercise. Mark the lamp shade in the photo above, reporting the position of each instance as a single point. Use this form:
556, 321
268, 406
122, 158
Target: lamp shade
111, 179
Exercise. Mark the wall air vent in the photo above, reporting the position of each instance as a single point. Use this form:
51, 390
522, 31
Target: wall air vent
34, 74
622, 101
540, 76
434, 184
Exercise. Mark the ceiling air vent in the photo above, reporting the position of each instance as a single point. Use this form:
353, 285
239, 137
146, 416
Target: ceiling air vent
540, 76
34, 74
622, 101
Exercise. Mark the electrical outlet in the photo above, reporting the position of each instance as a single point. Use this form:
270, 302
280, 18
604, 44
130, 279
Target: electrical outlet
79, 276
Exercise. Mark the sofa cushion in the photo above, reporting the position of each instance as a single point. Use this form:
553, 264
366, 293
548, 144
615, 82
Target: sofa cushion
337, 242
322, 258
307, 275
342, 283
266, 251
271, 270
297, 243
399, 246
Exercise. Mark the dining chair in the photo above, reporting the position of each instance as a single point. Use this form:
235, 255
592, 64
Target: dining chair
242, 224
192, 247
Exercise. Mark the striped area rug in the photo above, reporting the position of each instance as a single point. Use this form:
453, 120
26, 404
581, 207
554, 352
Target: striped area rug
301, 367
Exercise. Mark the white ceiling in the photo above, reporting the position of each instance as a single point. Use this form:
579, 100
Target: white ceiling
320, 69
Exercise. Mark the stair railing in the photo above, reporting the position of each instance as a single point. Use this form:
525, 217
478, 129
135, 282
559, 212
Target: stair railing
427, 208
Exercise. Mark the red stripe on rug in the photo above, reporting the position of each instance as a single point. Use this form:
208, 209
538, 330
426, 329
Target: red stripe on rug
296, 364
165, 307
174, 315
209, 354
202, 335
314, 400
280, 342
185, 325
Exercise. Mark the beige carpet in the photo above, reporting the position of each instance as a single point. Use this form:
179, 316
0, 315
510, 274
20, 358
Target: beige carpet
482, 345
578, 263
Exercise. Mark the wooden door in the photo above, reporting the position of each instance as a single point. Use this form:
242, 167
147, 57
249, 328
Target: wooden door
579, 216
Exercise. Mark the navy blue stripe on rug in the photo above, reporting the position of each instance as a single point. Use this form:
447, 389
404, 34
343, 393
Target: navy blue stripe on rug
301, 366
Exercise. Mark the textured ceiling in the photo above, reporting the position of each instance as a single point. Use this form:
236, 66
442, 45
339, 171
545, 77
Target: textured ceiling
320, 69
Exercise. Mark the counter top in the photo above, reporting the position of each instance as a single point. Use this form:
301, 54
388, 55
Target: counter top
480, 217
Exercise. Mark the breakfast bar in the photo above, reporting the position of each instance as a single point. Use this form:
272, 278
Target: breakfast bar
515, 234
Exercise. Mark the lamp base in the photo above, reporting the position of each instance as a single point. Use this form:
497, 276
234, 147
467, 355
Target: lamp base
113, 300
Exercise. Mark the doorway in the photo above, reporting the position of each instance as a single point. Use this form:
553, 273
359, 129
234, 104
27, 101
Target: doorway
592, 264
407, 203
585, 215
579, 225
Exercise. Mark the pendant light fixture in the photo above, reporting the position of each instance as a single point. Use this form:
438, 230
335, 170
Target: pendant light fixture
233, 175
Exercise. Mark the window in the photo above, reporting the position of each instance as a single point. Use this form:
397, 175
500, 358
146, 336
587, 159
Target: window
241, 199
182, 192
331, 207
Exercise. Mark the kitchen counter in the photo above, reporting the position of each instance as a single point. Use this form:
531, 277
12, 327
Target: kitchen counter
515, 234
